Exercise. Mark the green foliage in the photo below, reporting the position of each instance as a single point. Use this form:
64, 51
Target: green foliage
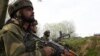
91, 52
89, 46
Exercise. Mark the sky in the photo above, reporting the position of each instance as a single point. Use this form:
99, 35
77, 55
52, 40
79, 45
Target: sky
83, 13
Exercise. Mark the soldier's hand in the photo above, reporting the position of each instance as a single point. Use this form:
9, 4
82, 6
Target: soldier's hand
48, 50
65, 53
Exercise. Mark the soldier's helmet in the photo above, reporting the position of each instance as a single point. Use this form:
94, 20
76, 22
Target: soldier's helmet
19, 4
46, 32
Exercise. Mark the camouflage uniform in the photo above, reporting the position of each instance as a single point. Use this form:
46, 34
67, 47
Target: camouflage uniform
13, 34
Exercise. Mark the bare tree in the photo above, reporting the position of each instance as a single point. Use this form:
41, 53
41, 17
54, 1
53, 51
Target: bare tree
65, 27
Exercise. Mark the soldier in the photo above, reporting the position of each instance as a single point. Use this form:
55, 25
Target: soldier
21, 13
46, 35
14, 32
14, 35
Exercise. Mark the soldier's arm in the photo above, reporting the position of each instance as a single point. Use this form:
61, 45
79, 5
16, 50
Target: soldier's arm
12, 37
13, 44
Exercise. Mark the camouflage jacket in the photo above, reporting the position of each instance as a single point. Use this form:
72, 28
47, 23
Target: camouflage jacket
12, 36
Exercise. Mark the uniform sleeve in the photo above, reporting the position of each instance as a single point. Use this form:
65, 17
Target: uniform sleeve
13, 44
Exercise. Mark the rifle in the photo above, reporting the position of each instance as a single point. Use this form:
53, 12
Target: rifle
30, 39
62, 35
58, 48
